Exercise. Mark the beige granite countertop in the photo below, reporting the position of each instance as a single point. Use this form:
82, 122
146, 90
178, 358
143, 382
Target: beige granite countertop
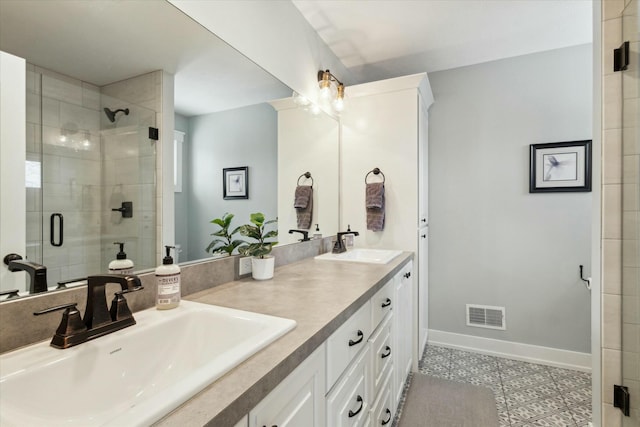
319, 295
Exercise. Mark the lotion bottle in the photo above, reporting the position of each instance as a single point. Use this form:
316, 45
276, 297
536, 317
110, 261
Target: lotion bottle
121, 265
317, 234
168, 281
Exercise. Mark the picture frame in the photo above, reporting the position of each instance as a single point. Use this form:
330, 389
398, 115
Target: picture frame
235, 183
560, 167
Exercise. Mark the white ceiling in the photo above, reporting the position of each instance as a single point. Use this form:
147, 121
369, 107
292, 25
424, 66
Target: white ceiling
102, 41
387, 38
105, 41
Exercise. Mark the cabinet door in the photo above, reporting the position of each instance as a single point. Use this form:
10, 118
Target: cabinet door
382, 412
423, 165
298, 401
382, 353
423, 289
349, 401
403, 329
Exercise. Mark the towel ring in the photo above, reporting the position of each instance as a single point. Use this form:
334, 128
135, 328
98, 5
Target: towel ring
375, 171
306, 175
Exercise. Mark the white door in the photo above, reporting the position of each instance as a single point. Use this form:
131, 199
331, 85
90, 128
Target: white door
12, 166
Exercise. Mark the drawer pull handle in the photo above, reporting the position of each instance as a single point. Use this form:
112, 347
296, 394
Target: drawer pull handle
407, 275
353, 414
384, 423
387, 303
387, 354
358, 341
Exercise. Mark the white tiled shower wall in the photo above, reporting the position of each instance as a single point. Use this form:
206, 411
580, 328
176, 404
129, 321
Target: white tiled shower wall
64, 113
89, 166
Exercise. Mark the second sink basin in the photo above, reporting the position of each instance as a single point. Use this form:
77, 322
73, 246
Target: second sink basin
371, 256
134, 376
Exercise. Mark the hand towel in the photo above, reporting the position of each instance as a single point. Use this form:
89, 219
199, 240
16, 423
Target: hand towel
375, 197
304, 206
302, 196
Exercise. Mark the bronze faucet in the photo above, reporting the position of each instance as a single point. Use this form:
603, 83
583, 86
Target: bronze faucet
98, 319
339, 246
37, 272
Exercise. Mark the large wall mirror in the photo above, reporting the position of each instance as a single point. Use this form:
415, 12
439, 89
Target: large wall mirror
94, 87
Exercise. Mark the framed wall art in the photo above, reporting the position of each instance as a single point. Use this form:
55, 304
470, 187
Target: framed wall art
235, 183
560, 167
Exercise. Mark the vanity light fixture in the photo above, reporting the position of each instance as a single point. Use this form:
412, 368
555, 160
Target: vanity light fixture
327, 82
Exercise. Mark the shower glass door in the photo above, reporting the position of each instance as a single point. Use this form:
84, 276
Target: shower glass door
631, 216
81, 165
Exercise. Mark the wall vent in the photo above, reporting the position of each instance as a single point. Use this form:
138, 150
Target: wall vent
485, 316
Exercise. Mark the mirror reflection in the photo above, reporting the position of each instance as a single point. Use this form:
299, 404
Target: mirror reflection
93, 166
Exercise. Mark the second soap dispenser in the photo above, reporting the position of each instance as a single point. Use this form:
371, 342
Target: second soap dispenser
121, 265
168, 282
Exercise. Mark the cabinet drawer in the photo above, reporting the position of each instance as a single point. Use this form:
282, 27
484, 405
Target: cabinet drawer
382, 303
348, 403
382, 411
346, 342
381, 353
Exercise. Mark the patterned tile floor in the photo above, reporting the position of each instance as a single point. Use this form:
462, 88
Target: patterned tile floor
526, 394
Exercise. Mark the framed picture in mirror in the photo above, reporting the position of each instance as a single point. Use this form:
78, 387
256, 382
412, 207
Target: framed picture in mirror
560, 167
235, 183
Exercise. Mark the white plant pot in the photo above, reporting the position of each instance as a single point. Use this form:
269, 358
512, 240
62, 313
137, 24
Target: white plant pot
262, 268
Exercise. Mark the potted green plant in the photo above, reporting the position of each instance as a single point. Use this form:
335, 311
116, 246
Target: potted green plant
223, 242
262, 264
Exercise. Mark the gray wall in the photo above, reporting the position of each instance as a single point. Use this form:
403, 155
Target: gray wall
241, 137
491, 242
181, 200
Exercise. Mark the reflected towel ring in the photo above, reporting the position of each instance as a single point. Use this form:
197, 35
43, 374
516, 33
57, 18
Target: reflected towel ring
306, 175
375, 171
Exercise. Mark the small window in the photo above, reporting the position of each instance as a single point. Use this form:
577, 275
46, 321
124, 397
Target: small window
33, 177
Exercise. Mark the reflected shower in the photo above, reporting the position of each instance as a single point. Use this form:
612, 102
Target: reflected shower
111, 115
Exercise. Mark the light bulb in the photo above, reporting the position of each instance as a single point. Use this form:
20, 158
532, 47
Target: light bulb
338, 103
325, 92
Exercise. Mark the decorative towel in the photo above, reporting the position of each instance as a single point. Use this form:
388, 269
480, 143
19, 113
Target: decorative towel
304, 206
375, 195
374, 203
303, 194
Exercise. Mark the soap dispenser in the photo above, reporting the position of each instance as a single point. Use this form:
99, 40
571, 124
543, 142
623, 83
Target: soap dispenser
121, 265
349, 238
168, 281
317, 234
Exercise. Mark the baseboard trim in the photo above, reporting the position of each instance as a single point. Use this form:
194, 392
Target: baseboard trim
513, 350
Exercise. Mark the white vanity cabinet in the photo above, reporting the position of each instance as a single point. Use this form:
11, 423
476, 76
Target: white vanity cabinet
355, 378
298, 401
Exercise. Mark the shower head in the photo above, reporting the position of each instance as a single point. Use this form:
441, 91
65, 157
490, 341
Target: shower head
111, 115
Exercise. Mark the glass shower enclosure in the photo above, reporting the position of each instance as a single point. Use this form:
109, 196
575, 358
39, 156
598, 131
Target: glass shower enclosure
631, 215
91, 177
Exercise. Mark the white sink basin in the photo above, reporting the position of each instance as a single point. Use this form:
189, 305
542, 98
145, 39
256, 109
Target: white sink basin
371, 256
134, 376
